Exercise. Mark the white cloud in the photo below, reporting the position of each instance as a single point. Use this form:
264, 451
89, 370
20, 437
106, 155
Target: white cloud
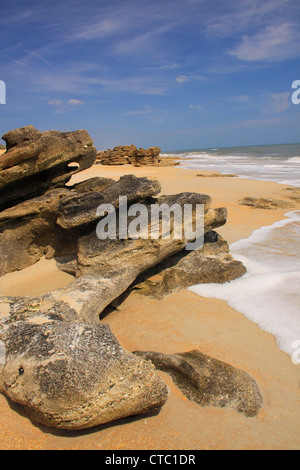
163, 68
146, 85
182, 79
273, 43
281, 101
63, 105
73, 102
55, 102
246, 15
186, 78
196, 106
106, 27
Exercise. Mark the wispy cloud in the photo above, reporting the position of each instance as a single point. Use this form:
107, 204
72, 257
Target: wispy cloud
187, 78
196, 106
74, 102
273, 43
162, 68
97, 30
69, 78
144, 85
243, 99
277, 102
55, 102
142, 112
62, 106
38, 56
141, 43
182, 79
244, 16
260, 122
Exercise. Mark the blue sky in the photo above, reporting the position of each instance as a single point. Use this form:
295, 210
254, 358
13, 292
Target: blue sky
179, 74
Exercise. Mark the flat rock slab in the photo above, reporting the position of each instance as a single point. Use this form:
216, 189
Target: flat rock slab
80, 210
264, 203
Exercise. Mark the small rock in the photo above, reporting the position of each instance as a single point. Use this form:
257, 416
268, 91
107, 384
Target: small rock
264, 203
209, 382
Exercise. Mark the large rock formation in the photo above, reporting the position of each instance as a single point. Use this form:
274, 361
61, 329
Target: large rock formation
36, 161
61, 364
129, 155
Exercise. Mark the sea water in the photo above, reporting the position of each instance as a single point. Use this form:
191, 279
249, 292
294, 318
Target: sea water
279, 163
269, 294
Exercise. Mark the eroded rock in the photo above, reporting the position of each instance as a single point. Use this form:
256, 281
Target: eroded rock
264, 203
36, 162
210, 264
74, 375
209, 382
28, 231
129, 155
80, 210
61, 364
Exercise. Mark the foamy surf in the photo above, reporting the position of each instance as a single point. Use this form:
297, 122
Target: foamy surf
269, 294
277, 163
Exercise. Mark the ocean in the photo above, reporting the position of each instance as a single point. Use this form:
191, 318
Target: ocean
269, 294
280, 163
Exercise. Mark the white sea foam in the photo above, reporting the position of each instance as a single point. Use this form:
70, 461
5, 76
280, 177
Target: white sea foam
270, 163
269, 294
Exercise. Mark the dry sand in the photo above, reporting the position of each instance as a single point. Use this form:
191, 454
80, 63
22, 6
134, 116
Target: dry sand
180, 322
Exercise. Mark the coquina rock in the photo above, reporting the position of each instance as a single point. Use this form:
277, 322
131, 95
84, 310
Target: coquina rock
106, 268
264, 203
37, 161
28, 231
211, 263
129, 155
208, 381
74, 375
80, 210
56, 359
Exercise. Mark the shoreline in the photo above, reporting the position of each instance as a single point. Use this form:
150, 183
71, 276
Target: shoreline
178, 323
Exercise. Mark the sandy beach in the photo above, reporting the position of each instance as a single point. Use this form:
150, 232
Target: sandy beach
179, 323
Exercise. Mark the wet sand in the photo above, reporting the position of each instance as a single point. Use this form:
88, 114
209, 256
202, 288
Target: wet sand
181, 322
